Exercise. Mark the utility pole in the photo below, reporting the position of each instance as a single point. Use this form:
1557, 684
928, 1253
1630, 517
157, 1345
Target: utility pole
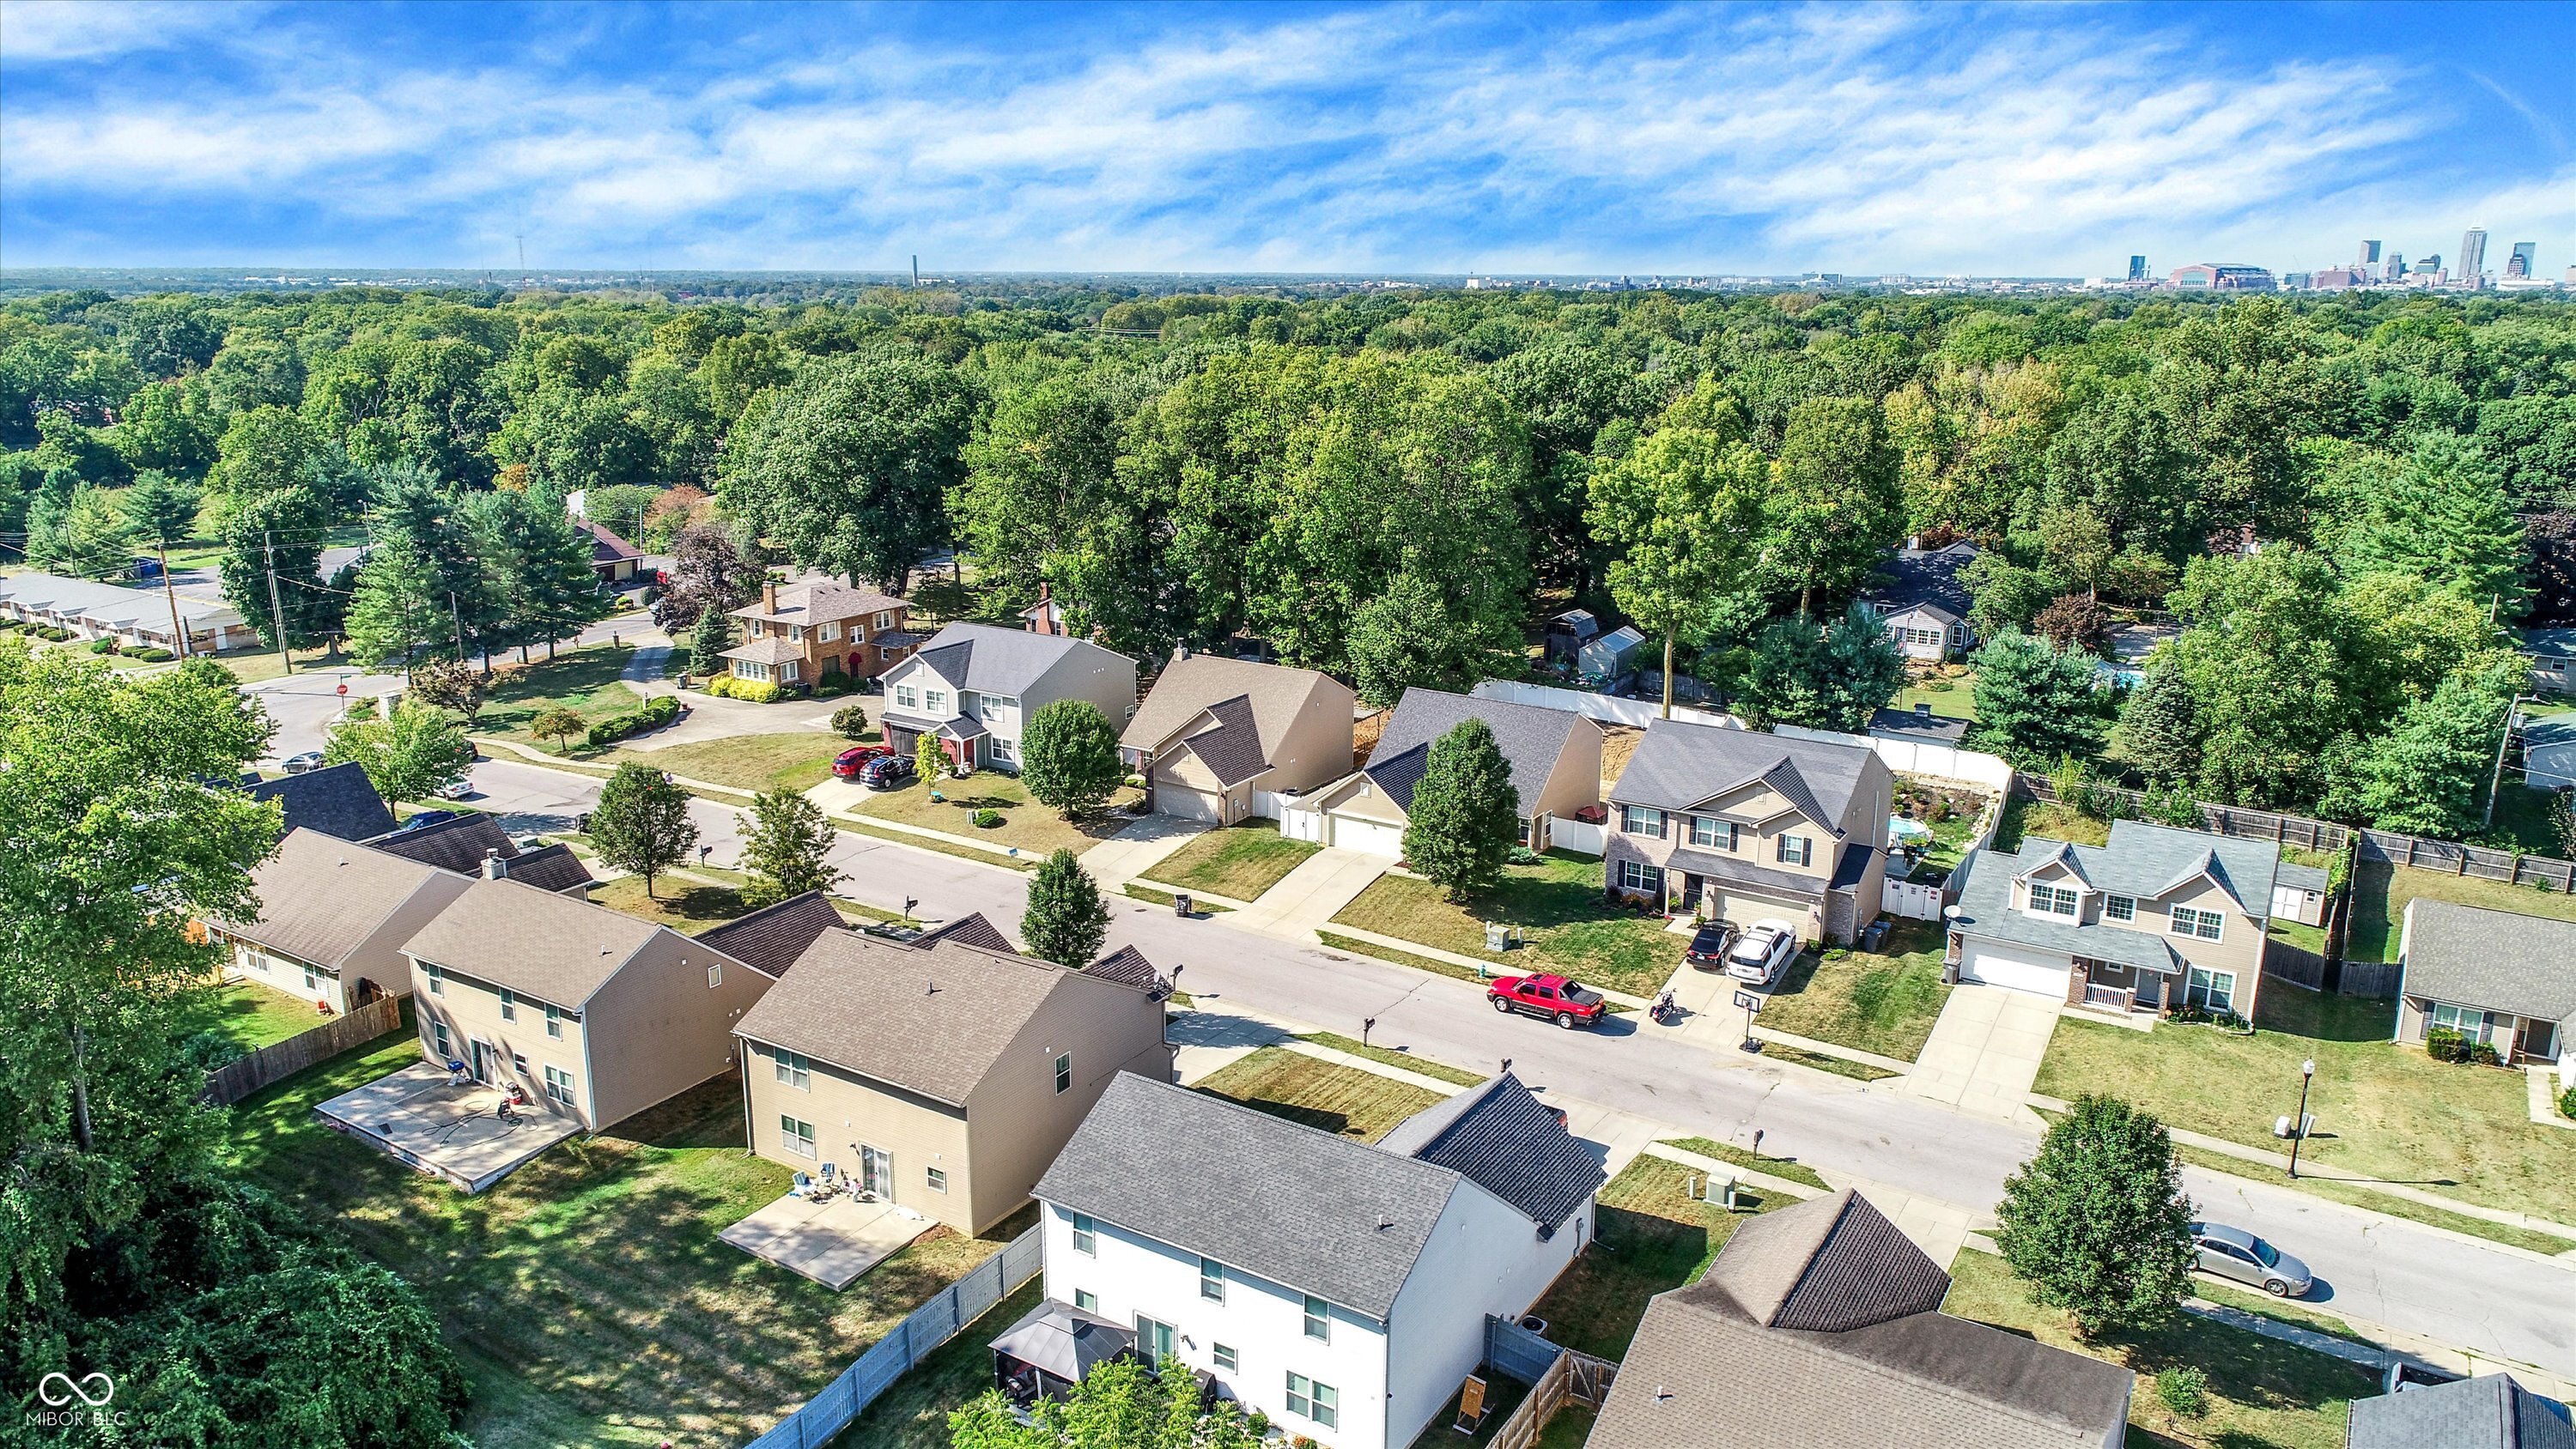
276, 611
162, 546
457, 619
2495, 780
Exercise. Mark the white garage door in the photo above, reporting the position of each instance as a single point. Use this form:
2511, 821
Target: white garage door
1744, 910
1985, 965
1189, 804
1352, 833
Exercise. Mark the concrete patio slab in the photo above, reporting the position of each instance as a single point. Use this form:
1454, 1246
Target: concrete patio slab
832, 1241
419, 1116
1985, 1051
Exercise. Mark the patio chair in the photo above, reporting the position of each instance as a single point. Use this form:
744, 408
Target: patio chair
803, 1185
831, 1178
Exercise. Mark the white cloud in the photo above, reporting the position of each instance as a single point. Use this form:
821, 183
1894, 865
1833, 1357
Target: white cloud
55, 30
1884, 138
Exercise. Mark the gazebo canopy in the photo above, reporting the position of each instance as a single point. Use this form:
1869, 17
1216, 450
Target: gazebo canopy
1062, 1341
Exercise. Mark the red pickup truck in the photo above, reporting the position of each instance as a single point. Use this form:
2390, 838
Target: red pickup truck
1564, 1002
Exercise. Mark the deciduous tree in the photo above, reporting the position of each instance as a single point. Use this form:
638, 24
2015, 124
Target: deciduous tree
786, 848
2097, 1223
641, 824
411, 756
1069, 757
1680, 513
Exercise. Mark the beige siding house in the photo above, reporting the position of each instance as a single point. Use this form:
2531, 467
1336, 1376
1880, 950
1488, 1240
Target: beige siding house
1554, 754
2497, 978
333, 918
1214, 731
942, 1079
2158, 918
1746, 826
596, 1015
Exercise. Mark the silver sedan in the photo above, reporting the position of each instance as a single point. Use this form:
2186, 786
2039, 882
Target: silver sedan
2235, 1253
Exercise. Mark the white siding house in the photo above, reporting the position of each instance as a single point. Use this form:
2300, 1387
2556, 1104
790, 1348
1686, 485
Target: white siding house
1338, 1287
975, 687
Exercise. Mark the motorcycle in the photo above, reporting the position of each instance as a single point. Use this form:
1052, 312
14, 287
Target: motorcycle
1664, 1011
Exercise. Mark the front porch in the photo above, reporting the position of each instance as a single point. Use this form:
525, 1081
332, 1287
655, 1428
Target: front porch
2120, 992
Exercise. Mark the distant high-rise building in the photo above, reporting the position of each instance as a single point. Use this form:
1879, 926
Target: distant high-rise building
2369, 252
2220, 277
2137, 269
2473, 256
2524, 261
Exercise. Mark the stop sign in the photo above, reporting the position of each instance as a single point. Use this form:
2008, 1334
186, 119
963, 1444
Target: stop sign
344, 687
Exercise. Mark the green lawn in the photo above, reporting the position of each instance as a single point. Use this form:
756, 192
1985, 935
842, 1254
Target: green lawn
913, 1413
1783, 1167
1884, 1004
1951, 698
2380, 892
685, 906
1393, 1058
798, 761
1649, 1237
2382, 1110
250, 666
1345, 1100
2262, 1392
2025, 816
249, 1015
584, 681
586, 1292
1240, 861
1036, 829
1558, 907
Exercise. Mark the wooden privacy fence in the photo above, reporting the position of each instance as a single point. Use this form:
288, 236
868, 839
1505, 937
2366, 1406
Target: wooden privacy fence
1569, 1377
2229, 820
279, 1060
891, 1357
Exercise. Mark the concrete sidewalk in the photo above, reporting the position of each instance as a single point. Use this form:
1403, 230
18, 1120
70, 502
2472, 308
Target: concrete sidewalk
1984, 1052
1308, 897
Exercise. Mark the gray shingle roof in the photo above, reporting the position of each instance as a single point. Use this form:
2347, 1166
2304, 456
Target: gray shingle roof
1679, 765
1706, 1371
997, 661
770, 939
930, 1020
970, 929
2491, 1411
2495, 960
550, 868
1984, 882
461, 844
1906, 724
1306, 1209
1231, 748
1925, 576
336, 800
321, 897
1504, 1140
553, 948
1128, 967
1530, 737
2549, 745
1762, 880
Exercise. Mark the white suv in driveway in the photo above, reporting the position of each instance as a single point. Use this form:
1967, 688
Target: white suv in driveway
1764, 951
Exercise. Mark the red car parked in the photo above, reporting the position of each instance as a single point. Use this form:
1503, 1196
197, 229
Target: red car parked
849, 762
1564, 1002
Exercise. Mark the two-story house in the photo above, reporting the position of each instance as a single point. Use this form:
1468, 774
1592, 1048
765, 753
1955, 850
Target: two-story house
1741, 825
952, 1103
2158, 918
594, 1014
799, 634
1923, 602
975, 688
1215, 730
1339, 1287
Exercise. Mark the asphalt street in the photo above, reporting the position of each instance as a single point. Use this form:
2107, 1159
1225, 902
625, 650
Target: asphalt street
2456, 1291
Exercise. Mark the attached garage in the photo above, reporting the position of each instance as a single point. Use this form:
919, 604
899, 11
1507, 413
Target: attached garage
1188, 803
1745, 909
1995, 966
1351, 832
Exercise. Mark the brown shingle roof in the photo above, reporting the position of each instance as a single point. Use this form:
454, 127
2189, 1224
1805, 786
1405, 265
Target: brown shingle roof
970, 929
320, 897
821, 603
552, 947
605, 545
930, 1021
1275, 693
1231, 747
1128, 967
770, 939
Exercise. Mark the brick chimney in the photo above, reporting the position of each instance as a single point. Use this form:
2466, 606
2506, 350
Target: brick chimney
769, 596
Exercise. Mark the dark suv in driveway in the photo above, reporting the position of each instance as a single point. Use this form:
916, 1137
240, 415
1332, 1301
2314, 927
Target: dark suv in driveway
885, 772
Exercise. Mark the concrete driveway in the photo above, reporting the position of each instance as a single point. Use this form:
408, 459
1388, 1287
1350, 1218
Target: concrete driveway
1311, 895
1984, 1052
1137, 849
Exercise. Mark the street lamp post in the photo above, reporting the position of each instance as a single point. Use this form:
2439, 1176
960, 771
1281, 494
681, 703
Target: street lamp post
2299, 1124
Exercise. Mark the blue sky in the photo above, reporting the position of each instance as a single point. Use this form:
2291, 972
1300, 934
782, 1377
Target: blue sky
1696, 139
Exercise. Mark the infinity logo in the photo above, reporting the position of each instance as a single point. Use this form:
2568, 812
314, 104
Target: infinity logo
59, 1389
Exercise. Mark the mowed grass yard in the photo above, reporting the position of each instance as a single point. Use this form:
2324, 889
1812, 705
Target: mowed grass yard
584, 681
249, 1015
2380, 892
1649, 1236
1557, 905
1341, 1100
1036, 829
2382, 1110
587, 1292
2262, 1392
686, 906
798, 761
1884, 1004
1239, 861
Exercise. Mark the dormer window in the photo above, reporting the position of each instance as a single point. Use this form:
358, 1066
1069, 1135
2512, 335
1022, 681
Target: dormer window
2053, 901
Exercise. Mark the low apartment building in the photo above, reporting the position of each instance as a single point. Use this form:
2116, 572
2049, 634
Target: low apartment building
1746, 826
802, 633
942, 1076
153, 617
594, 1014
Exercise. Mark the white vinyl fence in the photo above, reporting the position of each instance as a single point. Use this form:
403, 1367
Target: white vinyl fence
1577, 836
1909, 900
1301, 822
1908, 757
1638, 712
